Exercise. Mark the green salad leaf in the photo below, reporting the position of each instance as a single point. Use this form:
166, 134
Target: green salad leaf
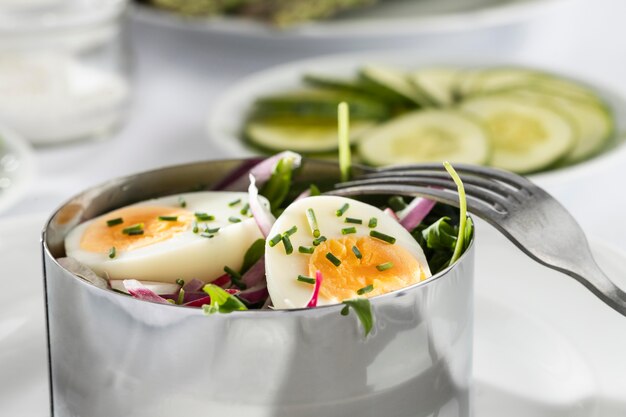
277, 187
253, 254
363, 310
221, 301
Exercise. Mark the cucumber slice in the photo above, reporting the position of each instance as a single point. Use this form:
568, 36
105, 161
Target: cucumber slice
437, 83
281, 134
467, 83
318, 104
593, 122
426, 136
396, 82
526, 136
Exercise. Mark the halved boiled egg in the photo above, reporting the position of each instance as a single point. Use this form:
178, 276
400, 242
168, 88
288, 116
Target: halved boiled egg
184, 236
359, 250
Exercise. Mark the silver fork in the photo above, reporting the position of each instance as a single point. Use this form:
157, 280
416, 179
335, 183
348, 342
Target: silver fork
527, 215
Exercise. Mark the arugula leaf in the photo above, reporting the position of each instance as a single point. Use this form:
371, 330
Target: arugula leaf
469, 233
277, 187
363, 310
440, 235
221, 301
460, 245
253, 254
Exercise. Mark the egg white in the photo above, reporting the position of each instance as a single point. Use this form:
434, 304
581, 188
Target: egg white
184, 256
282, 270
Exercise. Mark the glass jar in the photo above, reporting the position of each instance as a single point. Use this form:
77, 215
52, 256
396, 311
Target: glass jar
64, 68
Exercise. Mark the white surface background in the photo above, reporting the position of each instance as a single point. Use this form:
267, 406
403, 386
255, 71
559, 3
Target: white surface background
179, 76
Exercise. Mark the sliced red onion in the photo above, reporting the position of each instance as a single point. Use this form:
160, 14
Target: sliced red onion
316, 290
255, 275
160, 288
262, 215
200, 301
415, 212
255, 294
141, 292
389, 212
223, 281
262, 171
193, 286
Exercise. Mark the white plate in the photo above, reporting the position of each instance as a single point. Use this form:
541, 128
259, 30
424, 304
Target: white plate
228, 115
544, 346
389, 19
17, 167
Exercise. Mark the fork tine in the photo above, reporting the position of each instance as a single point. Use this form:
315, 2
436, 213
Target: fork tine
491, 198
476, 206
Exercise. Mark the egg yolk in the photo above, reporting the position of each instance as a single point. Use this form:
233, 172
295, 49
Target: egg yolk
386, 267
100, 237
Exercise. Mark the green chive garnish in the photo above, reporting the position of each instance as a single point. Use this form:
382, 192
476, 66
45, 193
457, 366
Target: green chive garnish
287, 244
385, 266
203, 217
168, 218
310, 216
319, 240
234, 219
235, 202
357, 252
180, 282
115, 222
348, 230
372, 223
235, 277
343, 127
291, 231
353, 220
382, 236
207, 235
245, 209
181, 296
365, 290
306, 249
333, 259
274, 241
308, 280
342, 210
112, 252
314, 190
182, 202
195, 227
132, 230
212, 230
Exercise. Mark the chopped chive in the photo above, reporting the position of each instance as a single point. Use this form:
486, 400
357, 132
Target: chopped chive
235, 278
182, 202
365, 290
291, 231
333, 259
180, 282
357, 252
234, 203
343, 127
342, 210
348, 230
306, 249
181, 297
135, 232
383, 237
372, 223
212, 230
133, 228
203, 217
245, 209
287, 244
233, 219
308, 280
168, 218
207, 235
310, 216
314, 190
112, 252
115, 222
195, 227
385, 266
319, 240
353, 220
274, 241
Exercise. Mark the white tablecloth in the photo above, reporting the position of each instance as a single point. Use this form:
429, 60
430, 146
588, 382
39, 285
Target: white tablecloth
179, 76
